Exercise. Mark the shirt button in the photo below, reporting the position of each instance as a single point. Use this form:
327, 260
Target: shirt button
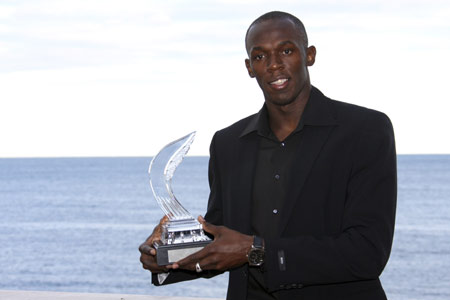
282, 144
275, 211
277, 176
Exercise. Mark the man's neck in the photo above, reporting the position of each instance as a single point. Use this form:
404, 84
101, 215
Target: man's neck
284, 119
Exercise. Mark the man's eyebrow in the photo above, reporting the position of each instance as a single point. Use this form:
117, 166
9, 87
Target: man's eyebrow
285, 43
256, 48
259, 48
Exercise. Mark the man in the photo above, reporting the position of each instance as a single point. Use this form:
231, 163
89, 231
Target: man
303, 193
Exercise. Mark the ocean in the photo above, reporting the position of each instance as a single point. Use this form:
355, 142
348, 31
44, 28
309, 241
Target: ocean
75, 224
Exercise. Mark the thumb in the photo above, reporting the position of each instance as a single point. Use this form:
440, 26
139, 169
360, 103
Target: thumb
163, 220
208, 227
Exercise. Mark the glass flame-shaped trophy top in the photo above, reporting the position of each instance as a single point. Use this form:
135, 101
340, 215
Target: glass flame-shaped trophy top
161, 170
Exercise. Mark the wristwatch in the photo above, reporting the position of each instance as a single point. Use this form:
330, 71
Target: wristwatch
255, 255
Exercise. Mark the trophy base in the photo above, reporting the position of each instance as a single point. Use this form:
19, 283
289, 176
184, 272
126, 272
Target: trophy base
170, 253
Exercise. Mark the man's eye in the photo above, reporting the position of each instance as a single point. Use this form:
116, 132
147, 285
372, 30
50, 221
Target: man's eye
287, 51
258, 57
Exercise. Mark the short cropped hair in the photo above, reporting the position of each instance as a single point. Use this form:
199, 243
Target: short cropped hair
278, 15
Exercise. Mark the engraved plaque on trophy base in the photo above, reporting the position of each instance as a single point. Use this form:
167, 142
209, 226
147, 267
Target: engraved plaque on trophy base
168, 254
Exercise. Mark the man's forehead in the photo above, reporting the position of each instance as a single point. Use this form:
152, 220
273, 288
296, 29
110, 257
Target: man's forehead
265, 31
273, 23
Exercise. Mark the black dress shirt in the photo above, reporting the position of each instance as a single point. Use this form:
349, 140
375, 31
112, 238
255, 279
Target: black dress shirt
274, 160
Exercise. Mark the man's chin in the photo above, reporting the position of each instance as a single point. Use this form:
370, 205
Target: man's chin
280, 101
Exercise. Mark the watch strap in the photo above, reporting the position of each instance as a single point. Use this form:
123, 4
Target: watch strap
258, 242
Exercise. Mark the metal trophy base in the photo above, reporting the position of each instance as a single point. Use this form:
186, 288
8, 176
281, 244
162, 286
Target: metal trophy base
168, 254
179, 239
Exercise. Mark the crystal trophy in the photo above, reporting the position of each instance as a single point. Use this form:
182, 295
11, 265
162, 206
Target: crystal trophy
182, 234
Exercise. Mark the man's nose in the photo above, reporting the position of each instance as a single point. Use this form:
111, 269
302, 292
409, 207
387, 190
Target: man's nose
274, 63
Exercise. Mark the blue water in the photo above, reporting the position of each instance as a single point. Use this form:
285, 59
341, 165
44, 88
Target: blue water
74, 224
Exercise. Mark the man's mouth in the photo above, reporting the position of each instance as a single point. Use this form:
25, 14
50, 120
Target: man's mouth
279, 83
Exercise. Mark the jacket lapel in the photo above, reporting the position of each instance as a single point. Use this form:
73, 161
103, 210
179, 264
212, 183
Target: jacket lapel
313, 140
319, 124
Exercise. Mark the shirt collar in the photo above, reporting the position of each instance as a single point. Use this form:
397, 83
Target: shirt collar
317, 113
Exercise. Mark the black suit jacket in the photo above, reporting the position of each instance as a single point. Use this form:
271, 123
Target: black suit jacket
338, 223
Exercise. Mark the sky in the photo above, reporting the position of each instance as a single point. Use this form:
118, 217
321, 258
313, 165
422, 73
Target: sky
124, 78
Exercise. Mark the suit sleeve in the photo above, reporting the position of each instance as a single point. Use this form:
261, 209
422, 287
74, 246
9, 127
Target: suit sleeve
214, 215
361, 250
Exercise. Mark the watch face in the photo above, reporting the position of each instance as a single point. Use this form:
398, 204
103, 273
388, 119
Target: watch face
256, 257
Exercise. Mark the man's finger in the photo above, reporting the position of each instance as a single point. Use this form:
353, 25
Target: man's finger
208, 227
146, 249
192, 259
152, 266
163, 220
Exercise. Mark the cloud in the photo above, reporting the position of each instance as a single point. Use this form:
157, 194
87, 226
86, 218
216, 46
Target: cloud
112, 77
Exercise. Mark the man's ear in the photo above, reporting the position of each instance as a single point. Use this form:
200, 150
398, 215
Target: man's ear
310, 55
249, 68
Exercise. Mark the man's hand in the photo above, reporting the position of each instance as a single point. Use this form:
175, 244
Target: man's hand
228, 250
148, 253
